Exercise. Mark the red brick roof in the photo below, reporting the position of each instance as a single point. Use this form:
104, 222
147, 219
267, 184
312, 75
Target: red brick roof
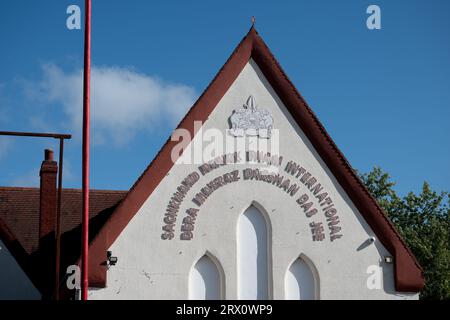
19, 225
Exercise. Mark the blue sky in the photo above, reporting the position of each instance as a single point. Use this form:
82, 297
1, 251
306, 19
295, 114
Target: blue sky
383, 95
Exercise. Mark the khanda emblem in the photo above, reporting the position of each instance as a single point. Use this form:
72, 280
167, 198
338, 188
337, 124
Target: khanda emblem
251, 120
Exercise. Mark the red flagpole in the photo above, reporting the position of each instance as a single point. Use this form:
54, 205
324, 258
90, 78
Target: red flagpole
86, 129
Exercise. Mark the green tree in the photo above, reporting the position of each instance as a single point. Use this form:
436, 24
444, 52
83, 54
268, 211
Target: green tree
424, 223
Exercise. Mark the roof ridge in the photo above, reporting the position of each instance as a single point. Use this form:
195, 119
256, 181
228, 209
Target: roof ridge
18, 188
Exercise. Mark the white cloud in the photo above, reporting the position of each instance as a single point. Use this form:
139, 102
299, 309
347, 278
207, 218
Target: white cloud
123, 101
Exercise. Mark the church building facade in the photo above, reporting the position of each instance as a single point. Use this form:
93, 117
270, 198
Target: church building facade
248, 199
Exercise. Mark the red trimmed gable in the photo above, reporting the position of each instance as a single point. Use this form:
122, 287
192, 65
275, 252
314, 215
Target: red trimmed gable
408, 273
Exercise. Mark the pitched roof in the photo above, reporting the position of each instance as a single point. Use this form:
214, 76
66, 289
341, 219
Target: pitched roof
408, 273
19, 226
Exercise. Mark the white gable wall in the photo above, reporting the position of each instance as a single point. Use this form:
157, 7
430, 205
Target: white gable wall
152, 268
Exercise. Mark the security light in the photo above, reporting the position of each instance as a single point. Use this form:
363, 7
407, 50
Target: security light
388, 259
111, 260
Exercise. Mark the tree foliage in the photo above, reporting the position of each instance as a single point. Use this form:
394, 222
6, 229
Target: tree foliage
423, 222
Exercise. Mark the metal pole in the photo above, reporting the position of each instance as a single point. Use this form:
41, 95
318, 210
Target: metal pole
36, 134
86, 120
58, 219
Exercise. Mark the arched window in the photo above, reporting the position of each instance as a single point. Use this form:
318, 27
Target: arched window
205, 281
252, 255
301, 280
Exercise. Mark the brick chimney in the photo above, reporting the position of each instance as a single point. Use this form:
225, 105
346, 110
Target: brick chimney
47, 214
47, 225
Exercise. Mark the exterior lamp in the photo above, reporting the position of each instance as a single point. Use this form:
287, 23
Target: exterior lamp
111, 260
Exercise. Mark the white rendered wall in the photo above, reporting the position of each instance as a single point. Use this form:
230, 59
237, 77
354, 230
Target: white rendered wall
152, 268
14, 283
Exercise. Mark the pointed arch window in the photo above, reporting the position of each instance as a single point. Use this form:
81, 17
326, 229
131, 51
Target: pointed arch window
301, 280
206, 280
252, 255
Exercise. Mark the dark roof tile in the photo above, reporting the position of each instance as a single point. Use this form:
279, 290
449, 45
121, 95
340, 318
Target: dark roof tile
19, 225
